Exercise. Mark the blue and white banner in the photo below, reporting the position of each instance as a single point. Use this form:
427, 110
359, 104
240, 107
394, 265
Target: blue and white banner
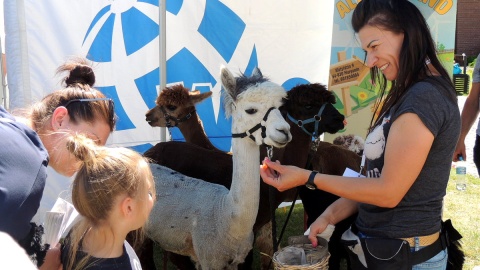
288, 40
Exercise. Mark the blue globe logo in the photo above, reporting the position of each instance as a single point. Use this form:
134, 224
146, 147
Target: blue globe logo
126, 34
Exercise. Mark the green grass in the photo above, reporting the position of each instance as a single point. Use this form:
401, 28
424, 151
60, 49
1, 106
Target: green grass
462, 207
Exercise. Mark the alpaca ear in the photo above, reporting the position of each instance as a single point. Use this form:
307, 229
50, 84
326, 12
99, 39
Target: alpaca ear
228, 82
193, 93
199, 97
332, 99
59, 118
256, 72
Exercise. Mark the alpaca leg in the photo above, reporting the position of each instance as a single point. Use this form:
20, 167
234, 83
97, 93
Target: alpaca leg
146, 255
264, 244
247, 263
181, 262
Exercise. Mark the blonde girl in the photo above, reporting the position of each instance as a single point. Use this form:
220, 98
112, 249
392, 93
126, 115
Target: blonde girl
114, 192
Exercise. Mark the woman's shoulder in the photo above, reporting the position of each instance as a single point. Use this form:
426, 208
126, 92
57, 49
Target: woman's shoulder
4, 114
432, 101
432, 89
433, 82
25, 138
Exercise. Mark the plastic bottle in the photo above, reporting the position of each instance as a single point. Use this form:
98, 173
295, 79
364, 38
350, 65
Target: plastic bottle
461, 170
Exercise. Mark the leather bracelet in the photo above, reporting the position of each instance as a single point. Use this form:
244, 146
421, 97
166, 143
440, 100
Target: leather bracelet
311, 181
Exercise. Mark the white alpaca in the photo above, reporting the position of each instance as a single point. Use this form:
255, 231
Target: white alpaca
209, 223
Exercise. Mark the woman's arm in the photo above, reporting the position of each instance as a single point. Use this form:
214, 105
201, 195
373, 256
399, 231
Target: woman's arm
469, 114
409, 142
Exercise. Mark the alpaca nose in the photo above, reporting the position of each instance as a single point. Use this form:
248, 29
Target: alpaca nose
150, 117
283, 131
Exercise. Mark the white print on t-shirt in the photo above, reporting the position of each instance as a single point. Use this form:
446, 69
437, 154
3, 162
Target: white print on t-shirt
375, 142
375, 145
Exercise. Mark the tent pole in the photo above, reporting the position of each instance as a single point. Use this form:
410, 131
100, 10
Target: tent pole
163, 55
4, 84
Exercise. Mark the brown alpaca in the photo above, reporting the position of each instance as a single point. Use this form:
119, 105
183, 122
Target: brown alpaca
176, 108
303, 102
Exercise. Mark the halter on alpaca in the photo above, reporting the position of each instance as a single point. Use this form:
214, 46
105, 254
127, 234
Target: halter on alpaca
168, 117
252, 130
316, 118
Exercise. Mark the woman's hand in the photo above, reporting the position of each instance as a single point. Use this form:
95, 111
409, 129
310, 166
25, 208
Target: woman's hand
460, 151
282, 177
52, 259
317, 227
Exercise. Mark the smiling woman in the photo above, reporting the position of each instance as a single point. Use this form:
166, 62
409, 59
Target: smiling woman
38, 139
399, 202
382, 49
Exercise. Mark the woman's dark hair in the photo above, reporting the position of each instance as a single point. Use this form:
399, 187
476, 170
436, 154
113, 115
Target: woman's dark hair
418, 48
84, 103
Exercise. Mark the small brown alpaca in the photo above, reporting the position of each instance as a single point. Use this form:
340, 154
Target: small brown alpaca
176, 108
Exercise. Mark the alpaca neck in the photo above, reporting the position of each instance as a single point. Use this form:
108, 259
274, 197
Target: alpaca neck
193, 132
296, 151
244, 195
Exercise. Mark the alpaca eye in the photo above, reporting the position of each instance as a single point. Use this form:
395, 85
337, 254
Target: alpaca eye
171, 107
251, 111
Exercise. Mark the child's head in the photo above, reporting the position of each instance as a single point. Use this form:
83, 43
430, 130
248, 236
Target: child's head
113, 191
111, 183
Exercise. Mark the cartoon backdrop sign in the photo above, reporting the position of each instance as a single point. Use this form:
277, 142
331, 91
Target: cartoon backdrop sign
349, 77
288, 40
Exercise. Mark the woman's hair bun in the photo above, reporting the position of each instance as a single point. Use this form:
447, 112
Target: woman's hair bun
81, 74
